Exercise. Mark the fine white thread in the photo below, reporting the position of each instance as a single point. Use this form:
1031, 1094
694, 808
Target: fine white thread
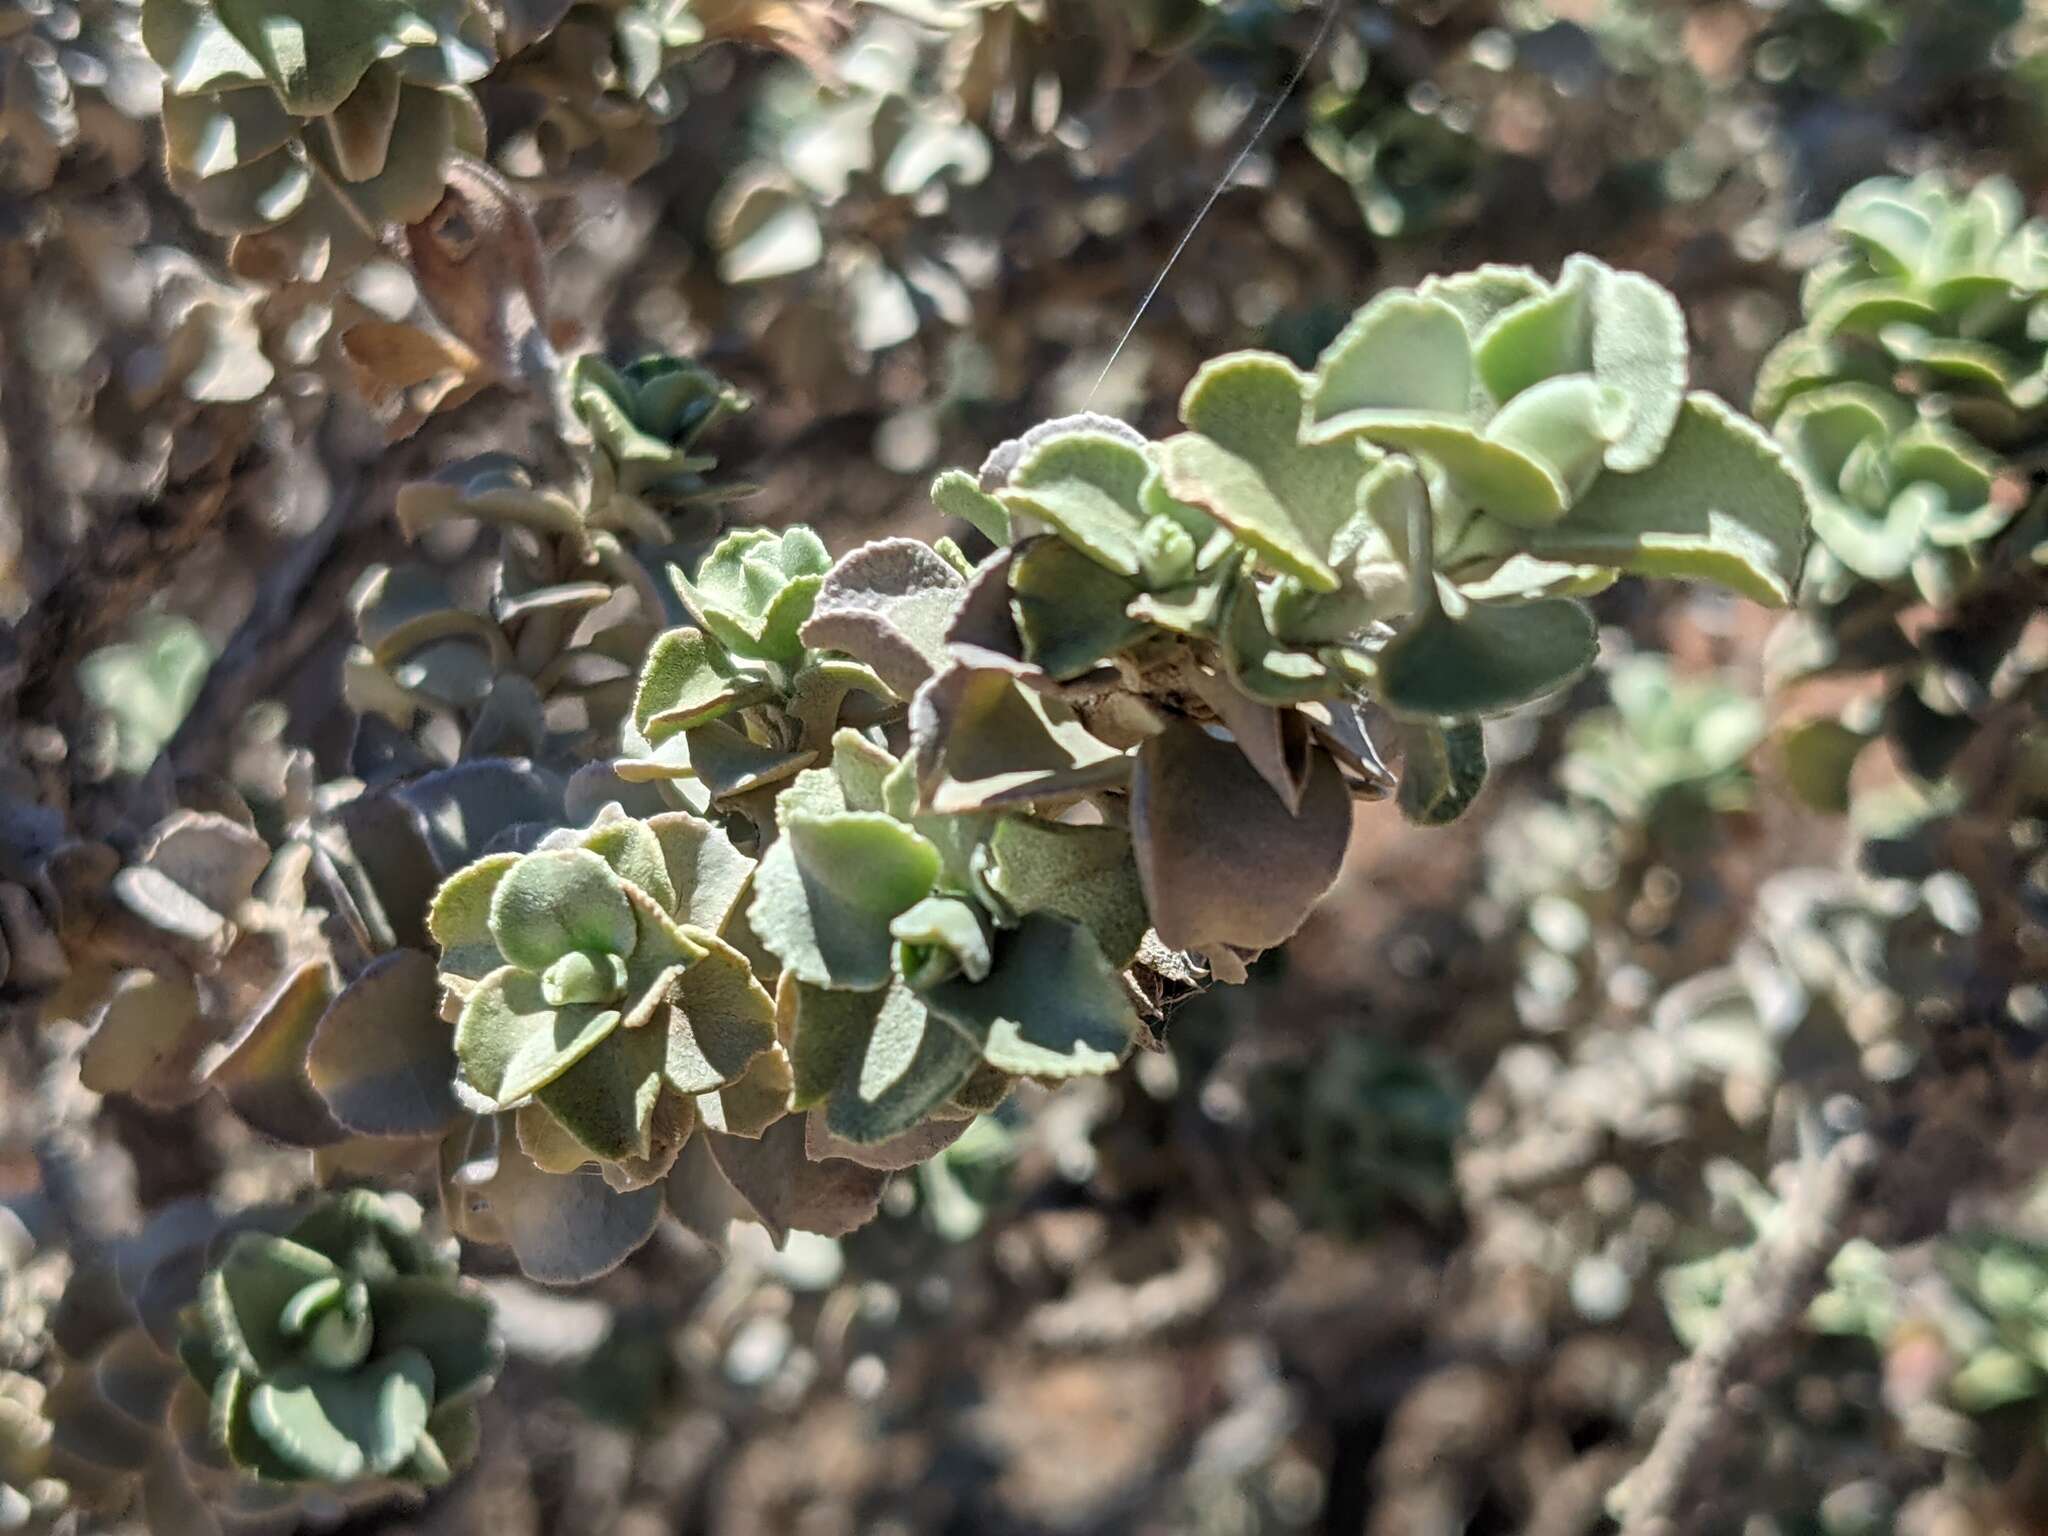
1330, 10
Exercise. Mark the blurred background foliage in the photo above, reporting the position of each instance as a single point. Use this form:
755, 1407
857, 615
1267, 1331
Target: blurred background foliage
1407, 1235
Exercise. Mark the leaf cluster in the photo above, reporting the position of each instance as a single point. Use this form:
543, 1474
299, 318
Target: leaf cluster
277, 1365
303, 130
884, 834
574, 607
1912, 400
1414, 523
344, 1349
734, 918
843, 225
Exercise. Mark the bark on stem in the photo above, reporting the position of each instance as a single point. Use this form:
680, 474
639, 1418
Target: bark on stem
1661, 1497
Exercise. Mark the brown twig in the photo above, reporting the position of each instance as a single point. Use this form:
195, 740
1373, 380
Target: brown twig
302, 596
1660, 1497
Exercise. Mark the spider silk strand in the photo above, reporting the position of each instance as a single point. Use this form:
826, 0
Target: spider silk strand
1265, 123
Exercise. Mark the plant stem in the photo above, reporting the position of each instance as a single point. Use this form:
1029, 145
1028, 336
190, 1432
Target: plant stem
1661, 1497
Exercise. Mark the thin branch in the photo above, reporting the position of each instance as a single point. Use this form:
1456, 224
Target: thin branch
1766, 1303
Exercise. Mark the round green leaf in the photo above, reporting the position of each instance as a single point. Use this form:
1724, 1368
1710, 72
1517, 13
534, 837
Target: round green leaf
459, 920
511, 1040
688, 679
1086, 486
1545, 336
1402, 352
243, 1299
1497, 657
828, 889
1052, 1006
552, 902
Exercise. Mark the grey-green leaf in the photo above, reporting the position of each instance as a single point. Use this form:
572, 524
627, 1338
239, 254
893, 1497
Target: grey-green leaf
878, 1061
1497, 657
1053, 1006
828, 888
555, 901
1721, 504
382, 1057
512, 1041
1443, 768
888, 605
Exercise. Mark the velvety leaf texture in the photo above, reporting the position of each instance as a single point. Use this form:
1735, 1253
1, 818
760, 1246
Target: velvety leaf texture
1496, 657
1722, 505
1051, 1007
1222, 859
329, 1355
873, 839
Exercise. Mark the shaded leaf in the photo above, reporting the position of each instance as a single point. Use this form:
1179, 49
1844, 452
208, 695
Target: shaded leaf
1221, 858
1086, 874
262, 1068
1443, 768
1070, 610
606, 1098
723, 1020
786, 1191
564, 1230
756, 1101
1496, 657
979, 739
1819, 756
454, 1327
918, 1145
381, 1057
1052, 1006
877, 1061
